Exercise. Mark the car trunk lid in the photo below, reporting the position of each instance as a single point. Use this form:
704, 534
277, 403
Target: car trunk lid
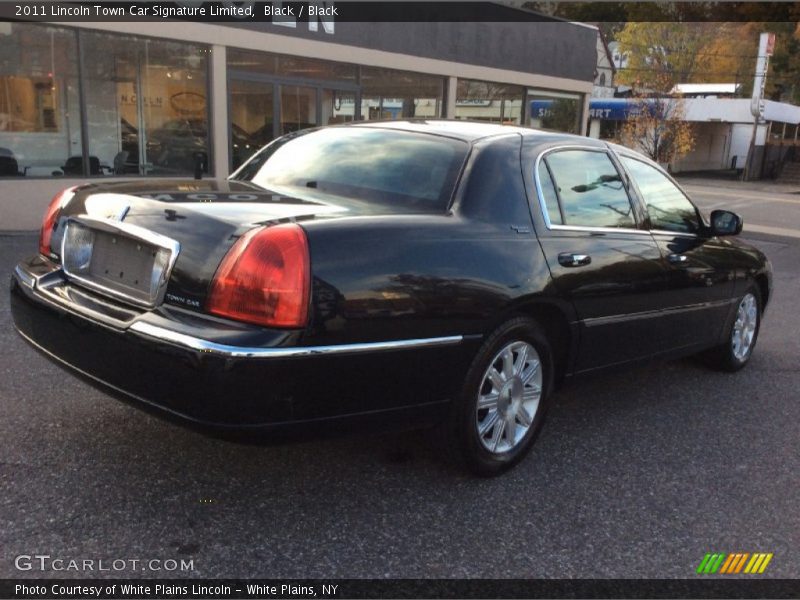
174, 231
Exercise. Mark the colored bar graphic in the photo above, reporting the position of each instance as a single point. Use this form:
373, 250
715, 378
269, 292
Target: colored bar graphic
703, 563
730, 564
752, 563
741, 562
757, 566
718, 563
766, 562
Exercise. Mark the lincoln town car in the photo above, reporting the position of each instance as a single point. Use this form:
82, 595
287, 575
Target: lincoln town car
406, 273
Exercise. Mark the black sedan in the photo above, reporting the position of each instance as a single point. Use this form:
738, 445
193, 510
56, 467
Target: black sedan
408, 273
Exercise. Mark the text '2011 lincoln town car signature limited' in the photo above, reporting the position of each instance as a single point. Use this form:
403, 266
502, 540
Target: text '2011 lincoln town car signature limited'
414, 272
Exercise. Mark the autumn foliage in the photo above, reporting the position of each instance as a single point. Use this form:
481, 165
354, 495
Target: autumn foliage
657, 128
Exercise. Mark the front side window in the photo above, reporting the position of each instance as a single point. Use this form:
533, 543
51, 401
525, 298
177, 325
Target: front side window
590, 189
667, 207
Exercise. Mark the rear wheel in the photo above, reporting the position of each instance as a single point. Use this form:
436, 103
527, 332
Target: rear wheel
742, 335
504, 398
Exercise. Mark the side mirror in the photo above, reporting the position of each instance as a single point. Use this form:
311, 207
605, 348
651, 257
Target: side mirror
725, 222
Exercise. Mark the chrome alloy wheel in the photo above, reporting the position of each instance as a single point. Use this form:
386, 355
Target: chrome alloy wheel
744, 329
508, 397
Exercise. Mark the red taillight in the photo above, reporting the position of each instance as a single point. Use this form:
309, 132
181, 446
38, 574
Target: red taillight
50, 218
264, 278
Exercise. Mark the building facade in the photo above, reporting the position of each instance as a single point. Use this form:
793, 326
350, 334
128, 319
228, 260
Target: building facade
162, 99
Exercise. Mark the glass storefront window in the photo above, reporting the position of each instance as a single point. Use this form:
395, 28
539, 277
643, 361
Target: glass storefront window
298, 108
390, 94
296, 92
290, 67
146, 105
556, 111
40, 126
337, 106
487, 101
252, 118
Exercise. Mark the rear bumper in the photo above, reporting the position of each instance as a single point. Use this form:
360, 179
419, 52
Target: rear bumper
232, 376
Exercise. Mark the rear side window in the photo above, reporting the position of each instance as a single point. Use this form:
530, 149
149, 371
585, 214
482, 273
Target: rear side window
590, 189
667, 207
550, 196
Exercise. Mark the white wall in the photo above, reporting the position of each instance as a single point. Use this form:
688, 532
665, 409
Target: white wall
716, 144
23, 202
740, 142
710, 150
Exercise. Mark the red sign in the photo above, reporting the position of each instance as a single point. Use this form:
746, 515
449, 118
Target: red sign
770, 44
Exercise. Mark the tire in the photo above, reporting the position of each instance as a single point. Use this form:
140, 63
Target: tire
511, 377
741, 336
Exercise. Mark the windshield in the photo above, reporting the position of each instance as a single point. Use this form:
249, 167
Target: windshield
398, 169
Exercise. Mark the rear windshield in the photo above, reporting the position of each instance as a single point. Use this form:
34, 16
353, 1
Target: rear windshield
396, 169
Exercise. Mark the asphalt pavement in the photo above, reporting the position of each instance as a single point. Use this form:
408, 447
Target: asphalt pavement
637, 474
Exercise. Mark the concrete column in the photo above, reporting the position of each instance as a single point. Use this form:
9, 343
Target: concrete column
452, 91
584, 114
218, 88
594, 128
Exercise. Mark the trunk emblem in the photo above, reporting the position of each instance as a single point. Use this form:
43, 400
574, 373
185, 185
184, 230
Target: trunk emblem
110, 207
117, 213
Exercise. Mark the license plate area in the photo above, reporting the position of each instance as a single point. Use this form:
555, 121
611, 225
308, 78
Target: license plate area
123, 261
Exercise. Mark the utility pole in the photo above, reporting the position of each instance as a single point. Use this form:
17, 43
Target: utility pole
766, 46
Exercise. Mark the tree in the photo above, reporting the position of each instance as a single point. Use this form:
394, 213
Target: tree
662, 54
731, 55
657, 127
732, 58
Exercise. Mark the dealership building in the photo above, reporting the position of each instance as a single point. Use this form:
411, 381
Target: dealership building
102, 100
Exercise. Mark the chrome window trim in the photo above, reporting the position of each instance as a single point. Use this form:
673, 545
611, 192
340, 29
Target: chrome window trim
206, 346
133, 231
585, 228
674, 233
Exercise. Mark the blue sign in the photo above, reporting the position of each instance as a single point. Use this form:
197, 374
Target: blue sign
609, 109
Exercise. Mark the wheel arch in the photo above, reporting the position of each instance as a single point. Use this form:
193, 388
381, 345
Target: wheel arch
556, 325
762, 281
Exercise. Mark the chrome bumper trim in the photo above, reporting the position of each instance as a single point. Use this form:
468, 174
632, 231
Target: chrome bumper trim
24, 278
134, 232
148, 330
193, 343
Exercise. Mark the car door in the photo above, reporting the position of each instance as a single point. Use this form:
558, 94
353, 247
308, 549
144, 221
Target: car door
700, 280
600, 256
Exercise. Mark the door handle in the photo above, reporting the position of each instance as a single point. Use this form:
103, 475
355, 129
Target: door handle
677, 259
568, 259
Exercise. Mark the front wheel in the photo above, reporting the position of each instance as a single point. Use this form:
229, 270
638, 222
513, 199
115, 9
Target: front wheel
742, 335
504, 398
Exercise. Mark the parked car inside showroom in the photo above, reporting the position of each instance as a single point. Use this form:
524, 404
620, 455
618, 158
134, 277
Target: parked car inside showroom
413, 273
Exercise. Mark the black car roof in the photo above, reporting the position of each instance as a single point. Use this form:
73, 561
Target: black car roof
471, 131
